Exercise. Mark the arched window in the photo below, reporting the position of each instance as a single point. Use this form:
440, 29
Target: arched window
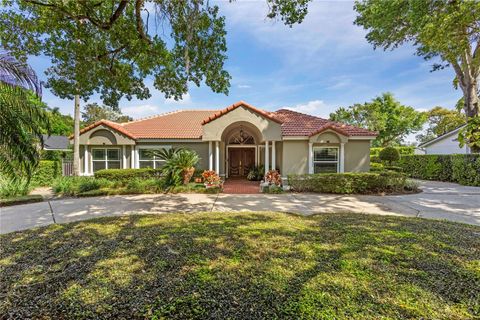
241, 137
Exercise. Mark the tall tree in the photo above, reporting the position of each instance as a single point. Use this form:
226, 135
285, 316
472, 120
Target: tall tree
93, 112
110, 47
446, 30
440, 121
384, 114
21, 118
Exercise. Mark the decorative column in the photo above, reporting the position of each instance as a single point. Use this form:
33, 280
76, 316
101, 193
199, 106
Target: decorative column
86, 172
132, 158
137, 163
310, 157
267, 159
210, 156
342, 157
274, 166
217, 157
124, 157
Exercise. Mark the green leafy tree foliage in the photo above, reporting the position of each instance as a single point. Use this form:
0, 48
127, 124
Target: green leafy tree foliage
445, 30
94, 112
21, 119
62, 124
110, 47
470, 134
440, 121
384, 114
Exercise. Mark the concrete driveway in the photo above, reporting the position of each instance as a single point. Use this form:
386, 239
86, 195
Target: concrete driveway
438, 200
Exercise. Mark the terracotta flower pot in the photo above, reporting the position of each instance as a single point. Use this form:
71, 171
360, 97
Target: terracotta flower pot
188, 174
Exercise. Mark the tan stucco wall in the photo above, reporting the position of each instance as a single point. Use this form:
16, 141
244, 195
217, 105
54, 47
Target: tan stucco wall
269, 129
294, 157
103, 135
199, 147
357, 156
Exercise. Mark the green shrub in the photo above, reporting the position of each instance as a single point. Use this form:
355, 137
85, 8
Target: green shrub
123, 175
346, 183
72, 186
460, 168
376, 167
389, 154
404, 151
13, 188
46, 172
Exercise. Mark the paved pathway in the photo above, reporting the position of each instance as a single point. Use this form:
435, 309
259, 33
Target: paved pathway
439, 201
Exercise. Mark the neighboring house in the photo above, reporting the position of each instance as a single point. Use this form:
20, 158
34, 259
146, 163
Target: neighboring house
230, 141
445, 144
56, 143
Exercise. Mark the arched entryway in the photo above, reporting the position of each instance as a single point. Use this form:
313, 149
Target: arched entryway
241, 144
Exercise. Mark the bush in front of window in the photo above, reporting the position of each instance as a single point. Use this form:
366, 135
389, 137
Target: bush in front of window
347, 183
123, 175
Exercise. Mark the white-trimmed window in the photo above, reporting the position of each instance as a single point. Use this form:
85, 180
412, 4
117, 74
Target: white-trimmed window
106, 158
147, 158
325, 159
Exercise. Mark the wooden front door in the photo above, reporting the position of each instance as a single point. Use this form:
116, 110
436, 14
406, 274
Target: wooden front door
240, 161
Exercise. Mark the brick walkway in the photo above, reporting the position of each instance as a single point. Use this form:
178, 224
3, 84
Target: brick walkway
241, 186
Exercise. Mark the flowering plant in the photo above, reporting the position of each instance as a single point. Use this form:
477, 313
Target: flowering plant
273, 177
211, 177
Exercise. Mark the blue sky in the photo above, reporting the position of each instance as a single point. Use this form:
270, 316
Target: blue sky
314, 67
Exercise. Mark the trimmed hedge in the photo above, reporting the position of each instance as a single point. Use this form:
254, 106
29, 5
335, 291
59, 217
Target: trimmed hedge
460, 168
346, 183
128, 174
404, 151
46, 172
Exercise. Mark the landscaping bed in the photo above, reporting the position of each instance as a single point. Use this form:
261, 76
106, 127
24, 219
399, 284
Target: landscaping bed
386, 182
20, 200
242, 266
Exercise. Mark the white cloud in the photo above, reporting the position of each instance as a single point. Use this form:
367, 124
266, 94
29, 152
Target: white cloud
244, 86
314, 107
186, 100
141, 111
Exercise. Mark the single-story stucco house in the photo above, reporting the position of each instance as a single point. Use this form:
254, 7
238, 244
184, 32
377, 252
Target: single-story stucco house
447, 143
230, 141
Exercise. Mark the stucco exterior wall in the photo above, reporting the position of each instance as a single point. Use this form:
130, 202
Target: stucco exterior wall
103, 135
269, 129
357, 156
294, 157
199, 147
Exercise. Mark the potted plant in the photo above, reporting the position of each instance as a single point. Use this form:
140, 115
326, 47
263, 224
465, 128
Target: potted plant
212, 180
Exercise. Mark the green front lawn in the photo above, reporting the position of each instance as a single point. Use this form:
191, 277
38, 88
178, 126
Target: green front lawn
243, 266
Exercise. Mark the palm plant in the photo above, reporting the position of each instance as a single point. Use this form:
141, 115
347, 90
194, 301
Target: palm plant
180, 167
21, 119
164, 153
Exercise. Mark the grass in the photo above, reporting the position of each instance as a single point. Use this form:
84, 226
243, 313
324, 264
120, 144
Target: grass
243, 265
20, 200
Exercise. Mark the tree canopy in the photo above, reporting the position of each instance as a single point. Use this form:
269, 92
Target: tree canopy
94, 112
440, 121
384, 114
447, 31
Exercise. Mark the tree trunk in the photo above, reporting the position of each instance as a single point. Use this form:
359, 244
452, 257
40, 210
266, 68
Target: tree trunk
76, 137
472, 105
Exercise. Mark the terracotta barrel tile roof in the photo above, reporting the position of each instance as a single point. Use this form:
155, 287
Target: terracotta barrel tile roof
188, 124
185, 124
234, 106
300, 124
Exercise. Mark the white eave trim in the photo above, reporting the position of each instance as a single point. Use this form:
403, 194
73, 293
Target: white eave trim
362, 137
295, 138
